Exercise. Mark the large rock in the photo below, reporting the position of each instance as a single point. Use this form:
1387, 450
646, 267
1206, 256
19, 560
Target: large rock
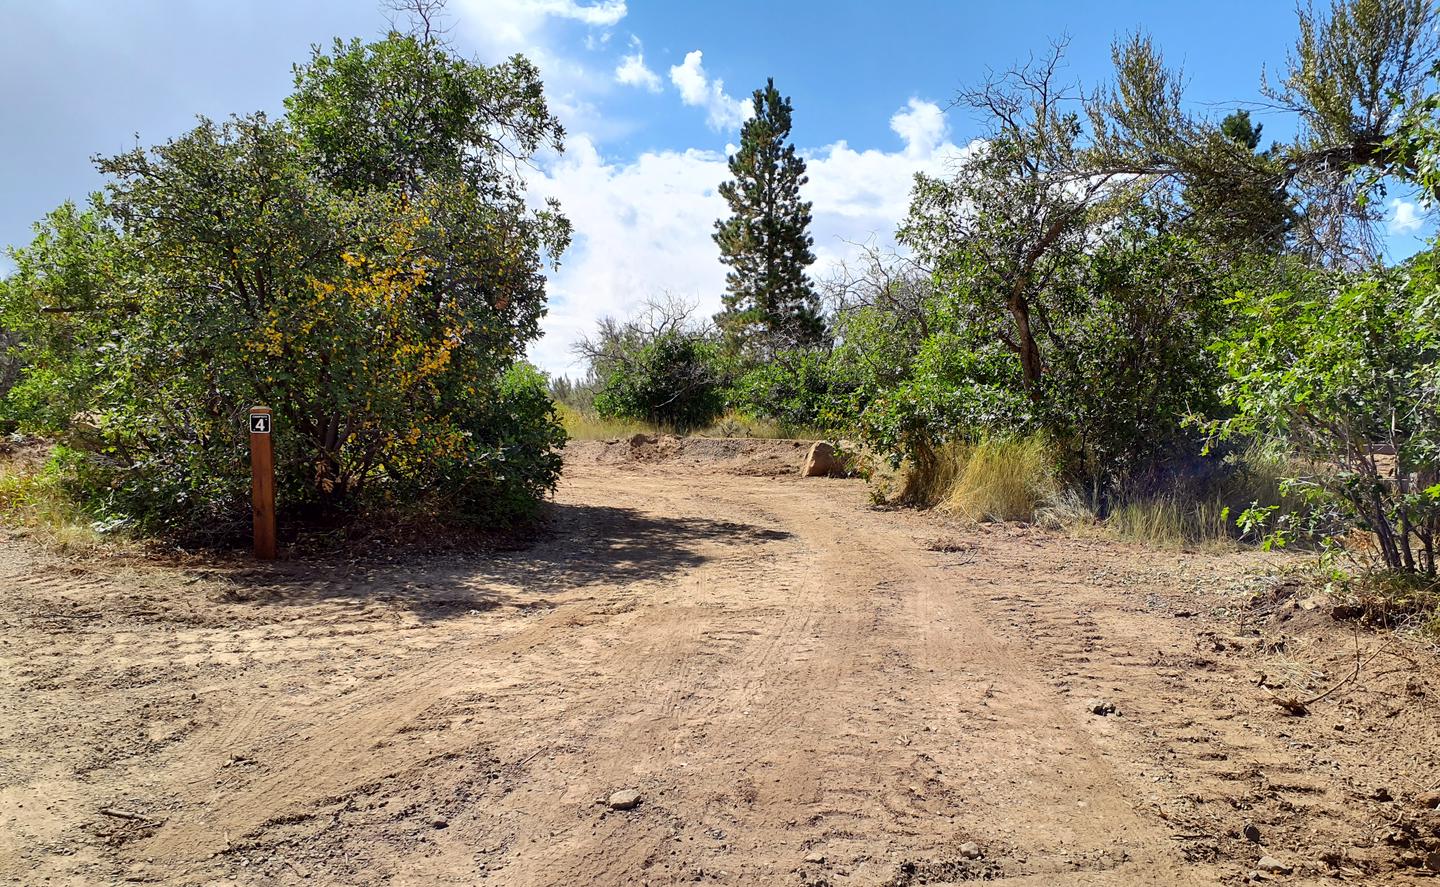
823, 460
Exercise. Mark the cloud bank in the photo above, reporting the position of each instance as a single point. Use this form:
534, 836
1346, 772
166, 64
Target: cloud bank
643, 226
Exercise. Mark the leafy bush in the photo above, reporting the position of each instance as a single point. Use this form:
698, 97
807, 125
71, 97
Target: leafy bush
372, 278
658, 368
795, 389
1348, 370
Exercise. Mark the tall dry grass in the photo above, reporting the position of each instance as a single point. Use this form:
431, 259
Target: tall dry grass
1016, 478
34, 503
1000, 478
584, 425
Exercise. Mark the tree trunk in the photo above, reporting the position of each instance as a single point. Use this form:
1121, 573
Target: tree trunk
1031, 366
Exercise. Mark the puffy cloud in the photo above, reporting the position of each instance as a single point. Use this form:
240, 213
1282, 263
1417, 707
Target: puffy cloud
1405, 217
697, 89
632, 71
642, 229
513, 25
604, 14
503, 27
643, 226
922, 127
498, 29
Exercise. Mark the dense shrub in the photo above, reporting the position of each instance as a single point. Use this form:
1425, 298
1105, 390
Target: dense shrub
795, 388
372, 278
659, 368
1348, 370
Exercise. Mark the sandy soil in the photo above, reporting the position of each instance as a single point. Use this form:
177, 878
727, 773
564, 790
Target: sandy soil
803, 690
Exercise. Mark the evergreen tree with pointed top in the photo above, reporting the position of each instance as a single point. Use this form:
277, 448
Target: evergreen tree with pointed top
770, 303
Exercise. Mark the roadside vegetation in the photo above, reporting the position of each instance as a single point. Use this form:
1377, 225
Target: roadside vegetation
1113, 312
366, 265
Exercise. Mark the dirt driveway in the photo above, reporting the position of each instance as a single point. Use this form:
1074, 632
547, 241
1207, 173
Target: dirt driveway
802, 690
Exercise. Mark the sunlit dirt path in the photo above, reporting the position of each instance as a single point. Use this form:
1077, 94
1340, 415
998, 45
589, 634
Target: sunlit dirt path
802, 689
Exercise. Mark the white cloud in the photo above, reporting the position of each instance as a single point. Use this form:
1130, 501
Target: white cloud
632, 71
1405, 217
574, 87
643, 227
698, 90
605, 14
922, 127
503, 27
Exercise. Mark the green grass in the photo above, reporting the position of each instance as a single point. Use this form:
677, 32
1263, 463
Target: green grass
585, 425
34, 503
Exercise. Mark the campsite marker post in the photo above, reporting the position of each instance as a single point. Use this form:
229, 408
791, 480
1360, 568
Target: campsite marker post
262, 481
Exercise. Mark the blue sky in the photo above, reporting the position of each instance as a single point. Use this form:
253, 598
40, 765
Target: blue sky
650, 92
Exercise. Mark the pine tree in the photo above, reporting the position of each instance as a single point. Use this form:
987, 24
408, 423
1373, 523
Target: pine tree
770, 303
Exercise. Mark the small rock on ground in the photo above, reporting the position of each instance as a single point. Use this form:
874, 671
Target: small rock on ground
1251, 833
1101, 707
970, 850
815, 857
1271, 865
625, 799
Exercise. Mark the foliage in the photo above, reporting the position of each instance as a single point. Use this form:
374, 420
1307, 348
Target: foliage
1357, 70
578, 394
769, 301
1349, 370
1127, 347
1096, 333
1004, 230
795, 388
370, 274
35, 501
658, 367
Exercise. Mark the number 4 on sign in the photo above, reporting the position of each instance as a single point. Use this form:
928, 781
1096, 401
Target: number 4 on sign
262, 481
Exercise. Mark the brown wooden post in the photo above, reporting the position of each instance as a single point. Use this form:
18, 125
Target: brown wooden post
262, 481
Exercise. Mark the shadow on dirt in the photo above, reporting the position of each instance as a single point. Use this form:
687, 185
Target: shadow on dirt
579, 546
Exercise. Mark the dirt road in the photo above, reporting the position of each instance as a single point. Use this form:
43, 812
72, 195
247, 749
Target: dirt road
802, 689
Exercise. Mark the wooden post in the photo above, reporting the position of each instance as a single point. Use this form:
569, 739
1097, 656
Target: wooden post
262, 481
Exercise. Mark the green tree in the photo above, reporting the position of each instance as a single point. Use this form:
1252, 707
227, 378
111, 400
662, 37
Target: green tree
1347, 370
1357, 69
769, 302
1015, 218
658, 367
372, 277
1240, 129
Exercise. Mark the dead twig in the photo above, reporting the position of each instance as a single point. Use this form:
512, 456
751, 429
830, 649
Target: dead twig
120, 813
1297, 706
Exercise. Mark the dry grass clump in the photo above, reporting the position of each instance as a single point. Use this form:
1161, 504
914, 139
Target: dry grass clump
1016, 478
35, 504
1001, 479
585, 425
1172, 520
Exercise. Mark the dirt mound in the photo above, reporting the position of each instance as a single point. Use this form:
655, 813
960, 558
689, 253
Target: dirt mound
756, 457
